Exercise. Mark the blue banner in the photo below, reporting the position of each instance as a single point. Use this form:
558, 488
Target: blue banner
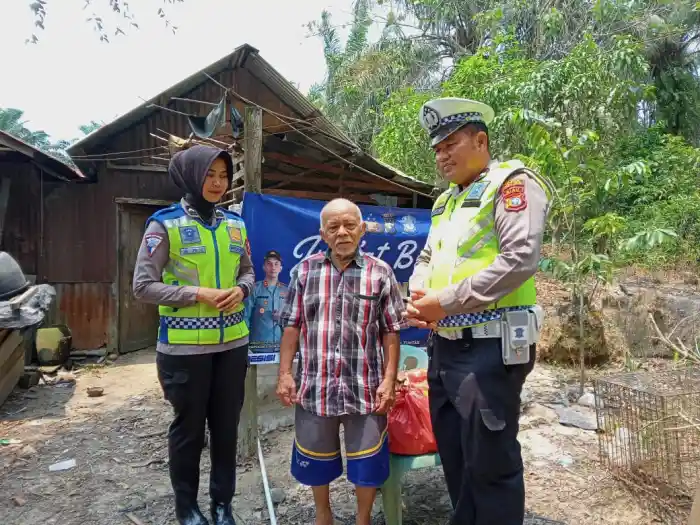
283, 230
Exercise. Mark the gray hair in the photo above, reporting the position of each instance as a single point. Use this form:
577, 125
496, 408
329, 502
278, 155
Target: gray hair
340, 204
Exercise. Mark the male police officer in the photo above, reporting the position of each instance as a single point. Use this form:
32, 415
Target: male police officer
473, 284
264, 305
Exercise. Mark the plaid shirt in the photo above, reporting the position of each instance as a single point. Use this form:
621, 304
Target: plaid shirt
342, 316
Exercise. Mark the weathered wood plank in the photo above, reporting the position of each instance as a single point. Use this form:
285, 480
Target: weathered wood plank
252, 182
11, 363
333, 183
326, 196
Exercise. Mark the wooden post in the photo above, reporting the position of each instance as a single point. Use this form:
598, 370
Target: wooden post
695, 511
252, 164
4, 201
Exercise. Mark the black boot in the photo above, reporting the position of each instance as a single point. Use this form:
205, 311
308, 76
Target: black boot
189, 514
221, 514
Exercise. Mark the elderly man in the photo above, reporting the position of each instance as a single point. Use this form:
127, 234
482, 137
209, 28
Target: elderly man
474, 284
343, 308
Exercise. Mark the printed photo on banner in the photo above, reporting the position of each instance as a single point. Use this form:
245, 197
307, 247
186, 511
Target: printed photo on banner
282, 231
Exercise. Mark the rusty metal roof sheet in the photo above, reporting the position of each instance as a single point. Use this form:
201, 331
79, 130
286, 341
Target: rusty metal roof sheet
51, 165
246, 56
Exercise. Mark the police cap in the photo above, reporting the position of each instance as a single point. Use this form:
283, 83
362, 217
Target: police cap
272, 254
441, 117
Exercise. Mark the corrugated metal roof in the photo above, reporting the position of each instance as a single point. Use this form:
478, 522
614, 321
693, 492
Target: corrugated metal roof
51, 165
246, 56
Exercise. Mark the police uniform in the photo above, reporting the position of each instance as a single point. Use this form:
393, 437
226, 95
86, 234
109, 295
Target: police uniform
202, 355
480, 258
263, 308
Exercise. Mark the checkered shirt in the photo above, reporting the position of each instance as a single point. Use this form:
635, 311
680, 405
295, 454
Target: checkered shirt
342, 316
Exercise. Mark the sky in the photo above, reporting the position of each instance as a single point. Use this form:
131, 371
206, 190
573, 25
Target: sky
70, 78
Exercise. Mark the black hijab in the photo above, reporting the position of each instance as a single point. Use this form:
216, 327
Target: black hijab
188, 169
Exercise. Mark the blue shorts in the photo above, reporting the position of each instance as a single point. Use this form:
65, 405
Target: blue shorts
316, 457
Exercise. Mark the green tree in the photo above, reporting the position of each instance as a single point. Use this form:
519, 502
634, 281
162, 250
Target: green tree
86, 129
361, 75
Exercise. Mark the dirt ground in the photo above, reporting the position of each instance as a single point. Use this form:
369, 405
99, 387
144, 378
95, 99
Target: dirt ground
119, 446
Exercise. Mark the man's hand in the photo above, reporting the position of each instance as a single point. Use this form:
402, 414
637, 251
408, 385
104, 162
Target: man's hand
386, 395
286, 389
424, 310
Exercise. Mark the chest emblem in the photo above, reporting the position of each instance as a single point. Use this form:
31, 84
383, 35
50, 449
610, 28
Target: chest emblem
189, 235
234, 234
477, 189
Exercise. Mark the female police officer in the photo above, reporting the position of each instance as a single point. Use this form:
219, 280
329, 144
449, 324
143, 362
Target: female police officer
194, 262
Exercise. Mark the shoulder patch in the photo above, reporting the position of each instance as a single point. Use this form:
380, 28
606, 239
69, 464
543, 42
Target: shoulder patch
171, 212
152, 241
513, 195
437, 211
230, 214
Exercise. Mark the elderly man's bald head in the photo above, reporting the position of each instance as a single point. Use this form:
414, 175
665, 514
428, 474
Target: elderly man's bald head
342, 228
339, 207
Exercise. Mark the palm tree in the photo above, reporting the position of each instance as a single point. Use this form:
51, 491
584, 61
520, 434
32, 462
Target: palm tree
362, 75
673, 52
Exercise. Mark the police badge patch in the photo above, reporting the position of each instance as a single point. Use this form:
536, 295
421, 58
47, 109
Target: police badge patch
513, 194
431, 118
476, 190
389, 223
408, 223
152, 241
189, 235
234, 234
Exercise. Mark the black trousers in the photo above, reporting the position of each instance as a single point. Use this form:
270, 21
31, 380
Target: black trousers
474, 408
206, 388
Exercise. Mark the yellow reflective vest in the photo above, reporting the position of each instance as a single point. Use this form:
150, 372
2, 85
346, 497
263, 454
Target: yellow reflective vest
206, 256
463, 239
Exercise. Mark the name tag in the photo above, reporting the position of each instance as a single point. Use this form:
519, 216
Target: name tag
192, 250
234, 248
471, 204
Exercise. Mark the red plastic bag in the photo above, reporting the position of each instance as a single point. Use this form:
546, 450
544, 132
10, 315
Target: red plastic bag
410, 429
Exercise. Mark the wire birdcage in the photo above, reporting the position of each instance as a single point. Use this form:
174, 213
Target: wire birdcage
649, 433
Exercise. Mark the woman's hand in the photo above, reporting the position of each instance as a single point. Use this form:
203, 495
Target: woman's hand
229, 299
222, 300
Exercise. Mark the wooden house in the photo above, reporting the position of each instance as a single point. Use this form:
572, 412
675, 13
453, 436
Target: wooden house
126, 163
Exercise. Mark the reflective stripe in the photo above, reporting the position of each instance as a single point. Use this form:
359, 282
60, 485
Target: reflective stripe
490, 236
201, 323
481, 225
467, 320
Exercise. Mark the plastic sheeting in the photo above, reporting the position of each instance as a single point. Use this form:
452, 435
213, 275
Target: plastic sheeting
31, 311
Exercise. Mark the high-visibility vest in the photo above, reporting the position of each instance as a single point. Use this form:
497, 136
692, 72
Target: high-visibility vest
463, 238
206, 256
